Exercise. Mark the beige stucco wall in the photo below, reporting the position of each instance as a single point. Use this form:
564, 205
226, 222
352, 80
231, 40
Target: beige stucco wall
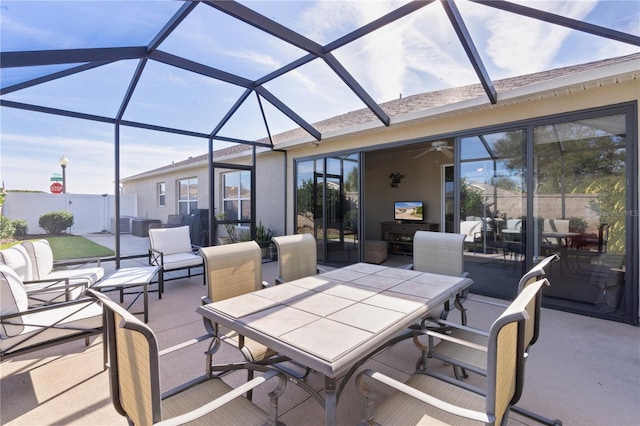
421, 182
379, 166
145, 188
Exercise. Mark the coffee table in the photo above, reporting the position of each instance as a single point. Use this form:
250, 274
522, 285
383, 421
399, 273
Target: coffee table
124, 278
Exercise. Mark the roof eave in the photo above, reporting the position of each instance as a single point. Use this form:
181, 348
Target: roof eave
584, 80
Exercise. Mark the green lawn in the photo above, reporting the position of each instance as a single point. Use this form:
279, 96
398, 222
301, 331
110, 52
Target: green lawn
66, 247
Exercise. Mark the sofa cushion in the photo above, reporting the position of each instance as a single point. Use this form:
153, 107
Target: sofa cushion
71, 319
18, 259
170, 240
13, 299
41, 258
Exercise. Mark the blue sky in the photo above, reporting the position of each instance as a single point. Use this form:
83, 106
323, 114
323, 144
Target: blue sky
416, 54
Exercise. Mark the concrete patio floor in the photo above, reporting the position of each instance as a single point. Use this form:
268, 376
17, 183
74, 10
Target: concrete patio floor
583, 371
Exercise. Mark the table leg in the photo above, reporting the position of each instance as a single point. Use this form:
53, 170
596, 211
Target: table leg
146, 301
330, 401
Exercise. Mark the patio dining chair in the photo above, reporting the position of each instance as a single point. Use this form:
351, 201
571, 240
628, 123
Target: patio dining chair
425, 399
134, 380
232, 270
462, 346
441, 253
297, 257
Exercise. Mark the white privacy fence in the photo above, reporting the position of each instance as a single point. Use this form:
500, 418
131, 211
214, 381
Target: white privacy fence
91, 212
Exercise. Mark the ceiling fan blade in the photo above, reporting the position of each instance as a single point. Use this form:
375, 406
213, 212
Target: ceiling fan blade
422, 153
447, 153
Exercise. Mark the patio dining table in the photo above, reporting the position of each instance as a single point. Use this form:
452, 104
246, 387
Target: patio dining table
331, 321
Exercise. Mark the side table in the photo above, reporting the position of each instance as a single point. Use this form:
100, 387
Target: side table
130, 277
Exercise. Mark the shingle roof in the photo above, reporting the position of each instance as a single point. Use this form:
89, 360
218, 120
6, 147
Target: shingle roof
411, 104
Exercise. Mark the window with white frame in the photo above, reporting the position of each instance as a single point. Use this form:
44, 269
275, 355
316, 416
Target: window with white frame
162, 194
187, 195
237, 195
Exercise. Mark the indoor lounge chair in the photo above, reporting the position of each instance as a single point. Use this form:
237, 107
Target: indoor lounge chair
171, 249
135, 382
425, 399
25, 329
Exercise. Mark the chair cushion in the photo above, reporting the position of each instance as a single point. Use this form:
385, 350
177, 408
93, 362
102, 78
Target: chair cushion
170, 240
469, 228
181, 260
514, 224
89, 275
86, 316
17, 258
13, 299
41, 258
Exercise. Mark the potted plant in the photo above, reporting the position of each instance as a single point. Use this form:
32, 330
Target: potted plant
263, 238
230, 229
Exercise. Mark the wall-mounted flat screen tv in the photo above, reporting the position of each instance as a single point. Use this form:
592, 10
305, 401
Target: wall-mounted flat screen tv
408, 211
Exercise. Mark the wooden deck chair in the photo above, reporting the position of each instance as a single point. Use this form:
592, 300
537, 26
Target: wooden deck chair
135, 382
425, 399
297, 257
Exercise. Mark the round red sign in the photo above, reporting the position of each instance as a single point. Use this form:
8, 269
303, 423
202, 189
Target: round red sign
56, 188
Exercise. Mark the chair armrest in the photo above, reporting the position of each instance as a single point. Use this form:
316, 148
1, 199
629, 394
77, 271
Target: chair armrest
228, 397
61, 286
156, 256
79, 261
457, 341
185, 344
420, 396
44, 308
279, 280
47, 280
48, 289
455, 325
488, 302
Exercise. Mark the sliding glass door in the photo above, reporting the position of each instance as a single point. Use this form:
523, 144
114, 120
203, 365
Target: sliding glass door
557, 186
327, 206
492, 210
580, 206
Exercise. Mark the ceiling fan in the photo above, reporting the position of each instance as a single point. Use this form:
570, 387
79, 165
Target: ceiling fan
437, 146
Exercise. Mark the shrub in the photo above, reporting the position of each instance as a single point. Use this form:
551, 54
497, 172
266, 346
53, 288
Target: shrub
6, 228
20, 227
55, 222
